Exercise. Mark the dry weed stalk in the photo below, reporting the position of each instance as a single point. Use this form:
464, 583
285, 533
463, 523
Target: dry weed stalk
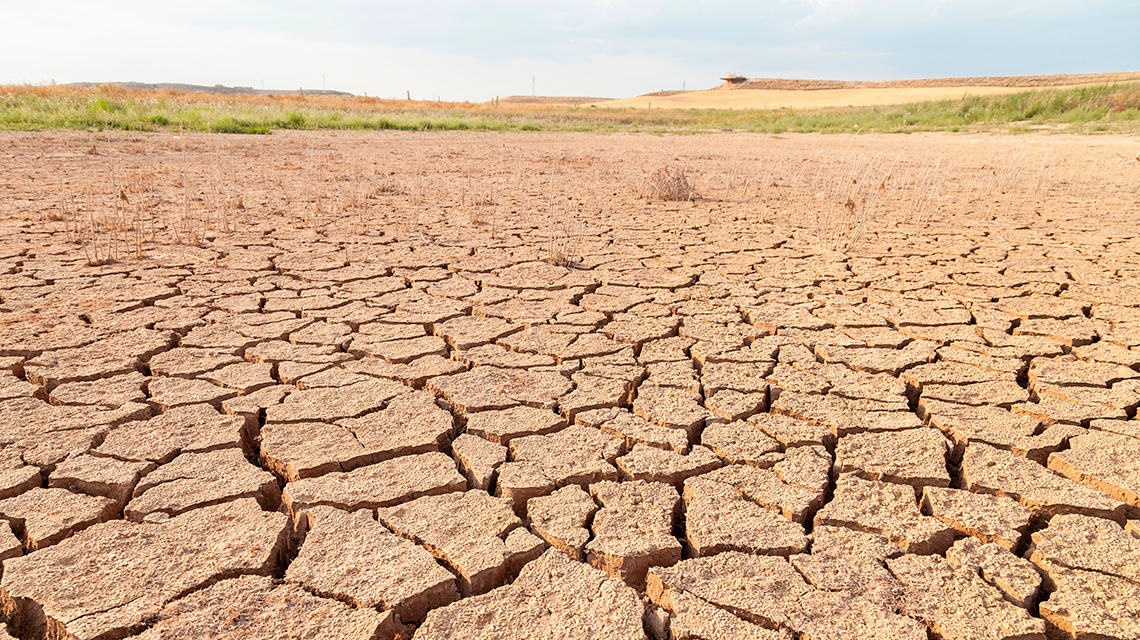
849, 203
476, 198
922, 193
558, 241
731, 185
105, 232
558, 232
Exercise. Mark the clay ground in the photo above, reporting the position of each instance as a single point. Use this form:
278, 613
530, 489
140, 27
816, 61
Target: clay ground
479, 386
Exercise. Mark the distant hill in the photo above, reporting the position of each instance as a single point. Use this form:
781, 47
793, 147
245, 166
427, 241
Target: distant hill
200, 88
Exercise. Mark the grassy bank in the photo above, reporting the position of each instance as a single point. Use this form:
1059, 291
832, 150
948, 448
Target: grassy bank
1107, 108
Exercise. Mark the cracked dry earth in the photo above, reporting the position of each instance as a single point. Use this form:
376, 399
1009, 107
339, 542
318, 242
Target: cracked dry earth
707, 430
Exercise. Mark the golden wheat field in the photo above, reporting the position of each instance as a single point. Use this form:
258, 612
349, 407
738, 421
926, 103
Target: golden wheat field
807, 94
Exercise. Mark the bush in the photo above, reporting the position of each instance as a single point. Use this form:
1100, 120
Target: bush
668, 183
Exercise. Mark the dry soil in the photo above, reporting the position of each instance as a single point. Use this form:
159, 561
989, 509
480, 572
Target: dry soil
477, 386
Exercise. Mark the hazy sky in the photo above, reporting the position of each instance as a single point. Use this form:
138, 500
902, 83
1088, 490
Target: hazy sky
479, 49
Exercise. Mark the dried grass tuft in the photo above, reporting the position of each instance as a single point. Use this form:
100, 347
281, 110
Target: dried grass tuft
668, 183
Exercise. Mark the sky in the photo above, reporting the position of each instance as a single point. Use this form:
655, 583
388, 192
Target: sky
480, 49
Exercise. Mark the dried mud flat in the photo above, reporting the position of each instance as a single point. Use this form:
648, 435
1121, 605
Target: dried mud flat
472, 386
